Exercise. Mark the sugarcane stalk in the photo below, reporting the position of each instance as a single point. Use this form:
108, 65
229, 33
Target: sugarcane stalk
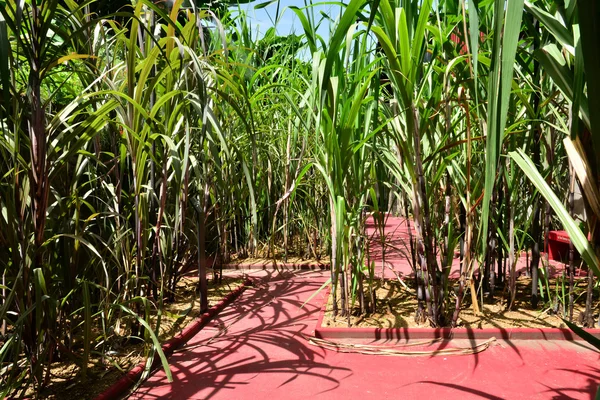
466, 273
571, 246
536, 231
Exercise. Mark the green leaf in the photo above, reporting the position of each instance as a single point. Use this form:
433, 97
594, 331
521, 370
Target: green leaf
588, 337
553, 24
308, 29
474, 39
312, 296
589, 15
577, 237
260, 6
155, 341
339, 34
419, 36
499, 93
4, 70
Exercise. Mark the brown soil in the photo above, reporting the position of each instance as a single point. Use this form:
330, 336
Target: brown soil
268, 255
396, 308
65, 379
269, 263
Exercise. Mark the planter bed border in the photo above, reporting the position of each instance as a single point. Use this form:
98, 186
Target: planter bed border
121, 386
404, 334
273, 265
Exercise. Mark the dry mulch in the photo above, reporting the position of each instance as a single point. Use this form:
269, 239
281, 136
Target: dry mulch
396, 308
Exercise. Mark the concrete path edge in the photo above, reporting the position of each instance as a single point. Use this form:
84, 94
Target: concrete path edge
444, 333
130, 378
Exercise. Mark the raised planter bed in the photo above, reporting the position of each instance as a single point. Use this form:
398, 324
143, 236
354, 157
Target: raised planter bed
404, 334
265, 264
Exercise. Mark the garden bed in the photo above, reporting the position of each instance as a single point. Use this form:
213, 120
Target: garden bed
65, 381
267, 263
394, 317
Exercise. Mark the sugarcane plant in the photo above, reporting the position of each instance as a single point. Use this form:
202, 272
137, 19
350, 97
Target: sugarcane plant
142, 141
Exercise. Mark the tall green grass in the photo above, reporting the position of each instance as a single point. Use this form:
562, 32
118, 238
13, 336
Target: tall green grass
137, 145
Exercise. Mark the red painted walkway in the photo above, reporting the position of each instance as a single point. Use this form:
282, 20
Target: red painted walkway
260, 355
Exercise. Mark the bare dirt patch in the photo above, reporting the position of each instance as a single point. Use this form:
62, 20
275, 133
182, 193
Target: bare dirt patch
396, 308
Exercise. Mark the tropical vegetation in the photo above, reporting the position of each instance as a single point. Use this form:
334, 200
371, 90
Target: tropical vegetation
140, 139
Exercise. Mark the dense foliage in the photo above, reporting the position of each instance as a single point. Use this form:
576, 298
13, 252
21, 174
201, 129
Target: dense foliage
138, 142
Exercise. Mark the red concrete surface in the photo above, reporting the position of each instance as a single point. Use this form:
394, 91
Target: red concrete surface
124, 384
254, 350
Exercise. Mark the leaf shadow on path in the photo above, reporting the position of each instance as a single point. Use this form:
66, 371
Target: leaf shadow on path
255, 338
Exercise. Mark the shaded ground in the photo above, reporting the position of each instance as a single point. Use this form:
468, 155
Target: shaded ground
254, 350
396, 308
122, 355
